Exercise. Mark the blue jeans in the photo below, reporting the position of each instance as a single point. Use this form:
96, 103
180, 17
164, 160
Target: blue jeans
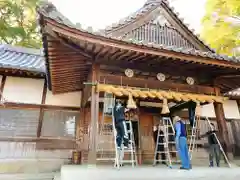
182, 149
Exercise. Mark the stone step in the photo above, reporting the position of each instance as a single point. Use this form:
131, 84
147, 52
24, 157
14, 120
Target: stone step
31, 165
34, 176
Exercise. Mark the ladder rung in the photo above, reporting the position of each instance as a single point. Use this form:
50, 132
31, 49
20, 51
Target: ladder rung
128, 161
165, 151
162, 135
129, 150
106, 159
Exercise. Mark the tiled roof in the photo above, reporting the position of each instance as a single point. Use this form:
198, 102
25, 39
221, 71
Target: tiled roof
48, 10
156, 33
21, 58
149, 6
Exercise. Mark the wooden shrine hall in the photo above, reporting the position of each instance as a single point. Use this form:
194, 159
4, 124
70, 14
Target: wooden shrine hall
151, 54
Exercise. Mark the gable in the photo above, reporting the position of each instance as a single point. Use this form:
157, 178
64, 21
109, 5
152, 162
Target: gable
156, 14
155, 33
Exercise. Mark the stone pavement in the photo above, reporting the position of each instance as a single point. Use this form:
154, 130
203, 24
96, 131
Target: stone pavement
26, 176
70, 172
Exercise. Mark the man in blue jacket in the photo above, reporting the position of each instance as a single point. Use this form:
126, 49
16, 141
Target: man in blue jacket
181, 143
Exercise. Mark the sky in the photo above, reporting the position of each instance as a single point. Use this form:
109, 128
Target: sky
101, 13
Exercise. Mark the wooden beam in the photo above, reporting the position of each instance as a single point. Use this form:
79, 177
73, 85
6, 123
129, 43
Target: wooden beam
86, 91
2, 86
37, 106
41, 114
222, 126
155, 67
155, 84
104, 41
92, 155
63, 41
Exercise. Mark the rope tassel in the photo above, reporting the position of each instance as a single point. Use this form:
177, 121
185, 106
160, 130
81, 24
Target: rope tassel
198, 109
131, 104
165, 109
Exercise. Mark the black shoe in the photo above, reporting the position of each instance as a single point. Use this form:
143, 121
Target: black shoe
183, 168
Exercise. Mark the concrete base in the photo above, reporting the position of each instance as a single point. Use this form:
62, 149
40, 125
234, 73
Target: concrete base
70, 172
26, 176
31, 165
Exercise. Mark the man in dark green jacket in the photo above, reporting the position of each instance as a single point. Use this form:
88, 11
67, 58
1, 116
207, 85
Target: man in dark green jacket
214, 149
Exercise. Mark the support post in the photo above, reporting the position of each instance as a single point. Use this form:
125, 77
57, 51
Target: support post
222, 127
92, 155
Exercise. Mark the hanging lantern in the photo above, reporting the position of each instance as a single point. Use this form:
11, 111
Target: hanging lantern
198, 109
165, 109
131, 104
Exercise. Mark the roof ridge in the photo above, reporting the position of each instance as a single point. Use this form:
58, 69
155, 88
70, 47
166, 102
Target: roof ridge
47, 8
24, 50
127, 19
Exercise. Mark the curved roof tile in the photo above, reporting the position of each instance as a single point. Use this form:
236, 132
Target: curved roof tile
49, 10
21, 58
149, 6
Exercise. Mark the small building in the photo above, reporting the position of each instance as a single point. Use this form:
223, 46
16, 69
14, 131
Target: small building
49, 110
37, 128
166, 61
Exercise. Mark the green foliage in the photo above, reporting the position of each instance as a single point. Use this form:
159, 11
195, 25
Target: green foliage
18, 24
221, 33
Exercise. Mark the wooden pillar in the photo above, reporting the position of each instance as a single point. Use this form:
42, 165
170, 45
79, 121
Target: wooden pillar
222, 124
222, 127
92, 155
41, 114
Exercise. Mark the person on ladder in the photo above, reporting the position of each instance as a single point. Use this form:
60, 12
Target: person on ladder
214, 149
181, 142
160, 146
120, 124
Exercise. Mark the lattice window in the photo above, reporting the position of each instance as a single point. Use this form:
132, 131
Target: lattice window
18, 122
58, 123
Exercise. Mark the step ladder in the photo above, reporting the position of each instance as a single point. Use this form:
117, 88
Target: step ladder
221, 148
167, 143
131, 150
194, 136
107, 145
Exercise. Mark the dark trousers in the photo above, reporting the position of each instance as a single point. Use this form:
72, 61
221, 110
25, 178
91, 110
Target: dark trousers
214, 152
122, 136
160, 150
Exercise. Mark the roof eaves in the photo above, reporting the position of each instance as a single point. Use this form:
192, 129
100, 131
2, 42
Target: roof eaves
24, 50
208, 54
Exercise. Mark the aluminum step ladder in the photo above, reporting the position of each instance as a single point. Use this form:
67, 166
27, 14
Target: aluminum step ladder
193, 136
107, 145
221, 148
131, 150
169, 144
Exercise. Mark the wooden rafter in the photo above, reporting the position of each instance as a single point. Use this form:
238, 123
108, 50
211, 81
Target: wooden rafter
73, 33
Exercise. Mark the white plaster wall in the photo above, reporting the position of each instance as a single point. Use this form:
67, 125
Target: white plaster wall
208, 111
231, 109
23, 90
72, 99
